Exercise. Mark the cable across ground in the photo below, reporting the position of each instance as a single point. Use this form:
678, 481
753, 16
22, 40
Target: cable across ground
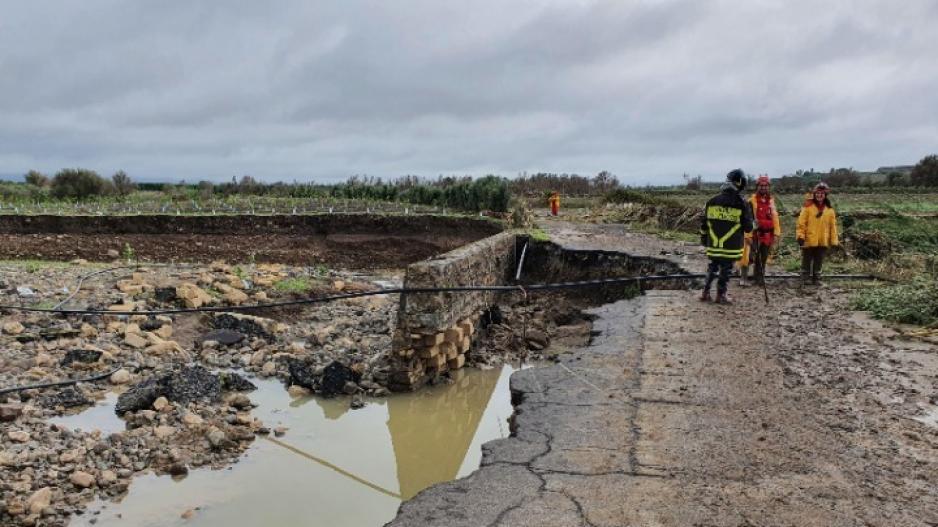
407, 291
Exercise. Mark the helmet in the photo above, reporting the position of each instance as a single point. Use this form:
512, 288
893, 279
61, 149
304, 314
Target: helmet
737, 177
763, 180
822, 187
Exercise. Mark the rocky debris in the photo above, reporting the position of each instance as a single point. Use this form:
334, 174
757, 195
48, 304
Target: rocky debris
165, 295
235, 383
192, 296
39, 500
246, 325
67, 397
121, 376
82, 479
225, 337
84, 356
18, 435
187, 384
13, 328
335, 376
10, 411
25, 292
302, 374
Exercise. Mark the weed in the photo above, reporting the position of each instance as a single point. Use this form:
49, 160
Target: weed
239, 272
299, 284
320, 271
911, 303
128, 253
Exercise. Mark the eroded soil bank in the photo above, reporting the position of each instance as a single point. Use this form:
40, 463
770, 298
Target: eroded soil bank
355, 241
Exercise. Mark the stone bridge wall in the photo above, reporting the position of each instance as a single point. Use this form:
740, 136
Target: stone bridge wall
435, 330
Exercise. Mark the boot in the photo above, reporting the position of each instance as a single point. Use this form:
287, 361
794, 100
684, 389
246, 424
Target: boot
724, 298
705, 296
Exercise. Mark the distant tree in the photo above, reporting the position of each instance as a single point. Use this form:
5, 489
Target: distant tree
604, 181
843, 177
925, 172
79, 183
36, 179
123, 185
206, 189
895, 179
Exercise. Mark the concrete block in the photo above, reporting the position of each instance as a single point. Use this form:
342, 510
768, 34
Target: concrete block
433, 340
457, 362
453, 335
437, 361
465, 344
429, 352
467, 327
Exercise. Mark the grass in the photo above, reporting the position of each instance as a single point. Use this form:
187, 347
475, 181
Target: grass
912, 303
538, 235
299, 284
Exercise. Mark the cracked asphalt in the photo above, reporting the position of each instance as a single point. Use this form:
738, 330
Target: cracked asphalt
687, 414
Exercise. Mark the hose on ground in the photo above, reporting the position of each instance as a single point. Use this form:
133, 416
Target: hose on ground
407, 291
98, 377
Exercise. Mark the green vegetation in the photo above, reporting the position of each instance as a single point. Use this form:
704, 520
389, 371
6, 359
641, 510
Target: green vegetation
299, 285
911, 303
128, 253
538, 235
627, 195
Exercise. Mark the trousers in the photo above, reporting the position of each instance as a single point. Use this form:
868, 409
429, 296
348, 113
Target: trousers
812, 259
719, 269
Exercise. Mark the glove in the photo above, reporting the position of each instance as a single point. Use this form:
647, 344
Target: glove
801, 242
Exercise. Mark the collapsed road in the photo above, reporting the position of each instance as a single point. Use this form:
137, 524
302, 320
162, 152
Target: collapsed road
680, 413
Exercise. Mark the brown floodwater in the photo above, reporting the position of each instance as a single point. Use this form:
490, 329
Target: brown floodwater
334, 467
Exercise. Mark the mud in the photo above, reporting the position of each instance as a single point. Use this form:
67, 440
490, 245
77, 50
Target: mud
349, 241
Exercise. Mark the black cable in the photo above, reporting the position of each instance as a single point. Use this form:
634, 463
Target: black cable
417, 290
98, 377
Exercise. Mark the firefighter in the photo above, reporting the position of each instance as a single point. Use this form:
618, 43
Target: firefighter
554, 202
725, 223
817, 232
767, 231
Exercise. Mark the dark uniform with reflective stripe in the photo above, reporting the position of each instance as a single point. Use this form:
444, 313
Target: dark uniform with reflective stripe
727, 219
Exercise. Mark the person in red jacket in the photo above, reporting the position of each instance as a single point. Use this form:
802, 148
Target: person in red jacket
767, 231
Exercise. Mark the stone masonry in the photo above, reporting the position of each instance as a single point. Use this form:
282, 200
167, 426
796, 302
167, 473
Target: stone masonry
435, 330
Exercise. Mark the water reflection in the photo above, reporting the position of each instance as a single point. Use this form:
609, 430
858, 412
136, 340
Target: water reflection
101, 417
334, 466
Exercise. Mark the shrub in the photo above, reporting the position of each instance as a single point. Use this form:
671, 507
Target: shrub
626, 195
123, 185
79, 183
36, 179
912, 303
925, 172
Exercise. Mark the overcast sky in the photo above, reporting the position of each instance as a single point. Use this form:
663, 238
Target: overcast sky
318, 91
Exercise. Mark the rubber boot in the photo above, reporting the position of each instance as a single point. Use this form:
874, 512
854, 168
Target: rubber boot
724, 299
705, 296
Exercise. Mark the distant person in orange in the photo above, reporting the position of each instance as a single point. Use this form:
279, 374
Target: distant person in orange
554, 201
767, 230
817, 232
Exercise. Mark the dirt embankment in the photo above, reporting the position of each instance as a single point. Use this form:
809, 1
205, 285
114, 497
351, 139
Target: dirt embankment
351, 241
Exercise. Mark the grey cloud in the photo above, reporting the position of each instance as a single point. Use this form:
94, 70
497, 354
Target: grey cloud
322, 90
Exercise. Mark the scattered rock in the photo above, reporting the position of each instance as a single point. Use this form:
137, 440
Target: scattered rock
25, 291
163, 431
18, 436
301, 374
244, 324
113, 253
81, 479
334, 378
297, 391
216, 437
82, 356
178, 469
225, 337
187, 514
68, 397
233, 382
135, 341
10, 411
280, 431
269, 369
120, 376
192, 419
13, 328
240, 401
39, 500
160, 403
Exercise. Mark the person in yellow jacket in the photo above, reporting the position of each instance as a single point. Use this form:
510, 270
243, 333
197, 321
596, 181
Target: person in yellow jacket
817, 232
764, 236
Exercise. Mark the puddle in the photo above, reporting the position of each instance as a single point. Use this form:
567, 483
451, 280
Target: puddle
335, 466
101, 417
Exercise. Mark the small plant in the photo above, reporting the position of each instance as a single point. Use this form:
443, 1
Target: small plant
128, 253
239, 272
320, 271
299, 284
33, 266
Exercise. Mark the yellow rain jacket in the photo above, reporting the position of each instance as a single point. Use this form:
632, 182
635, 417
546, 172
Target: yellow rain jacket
818, 231
776, 224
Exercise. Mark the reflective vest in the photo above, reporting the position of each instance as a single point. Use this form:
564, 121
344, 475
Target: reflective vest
725, 222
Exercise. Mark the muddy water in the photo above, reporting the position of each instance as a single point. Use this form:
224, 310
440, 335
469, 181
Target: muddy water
335, 466
101, 417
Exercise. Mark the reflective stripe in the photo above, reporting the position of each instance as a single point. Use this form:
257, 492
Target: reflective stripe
727, 235
725, 252
713, 235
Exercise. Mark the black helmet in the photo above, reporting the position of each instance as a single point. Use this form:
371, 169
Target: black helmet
737, 177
